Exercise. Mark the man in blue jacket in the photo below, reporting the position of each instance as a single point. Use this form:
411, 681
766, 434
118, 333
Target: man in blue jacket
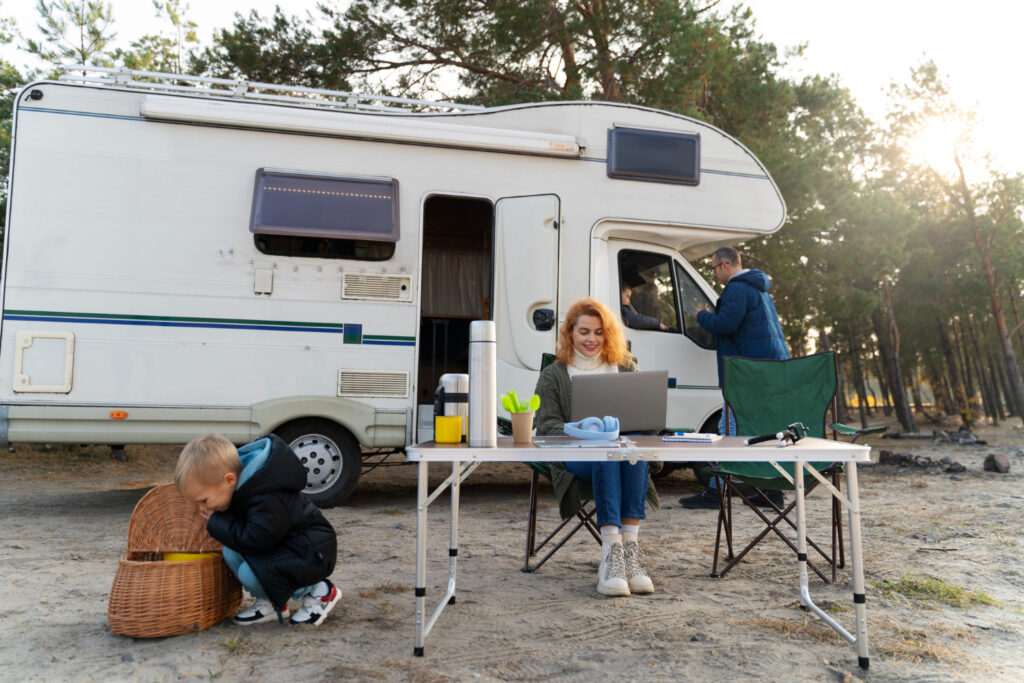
745, 324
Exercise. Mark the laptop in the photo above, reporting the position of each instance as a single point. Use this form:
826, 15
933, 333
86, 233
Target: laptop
638, 399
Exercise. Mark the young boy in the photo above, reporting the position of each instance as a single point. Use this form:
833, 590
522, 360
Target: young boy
277, 543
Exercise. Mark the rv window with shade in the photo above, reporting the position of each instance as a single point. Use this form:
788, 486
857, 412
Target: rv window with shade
298, 214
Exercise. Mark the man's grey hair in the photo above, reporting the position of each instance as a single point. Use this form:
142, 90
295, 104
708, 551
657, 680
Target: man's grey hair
729, 255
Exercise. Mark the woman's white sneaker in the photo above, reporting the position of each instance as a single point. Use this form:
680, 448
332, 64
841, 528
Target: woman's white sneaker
636, 575
611, 575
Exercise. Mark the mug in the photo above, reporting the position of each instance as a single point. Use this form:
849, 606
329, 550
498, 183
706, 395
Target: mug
448, 428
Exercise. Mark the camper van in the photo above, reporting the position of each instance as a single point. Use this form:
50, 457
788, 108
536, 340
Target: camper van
187, 255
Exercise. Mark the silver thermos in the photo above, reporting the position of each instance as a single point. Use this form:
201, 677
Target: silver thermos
483, 392
452, 398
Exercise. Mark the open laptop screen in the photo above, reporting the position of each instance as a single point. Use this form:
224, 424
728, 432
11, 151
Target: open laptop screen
638, 399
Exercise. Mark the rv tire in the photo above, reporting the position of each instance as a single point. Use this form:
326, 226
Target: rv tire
330, 455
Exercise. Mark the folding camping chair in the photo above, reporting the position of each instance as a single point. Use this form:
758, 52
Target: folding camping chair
584, 517
766, 396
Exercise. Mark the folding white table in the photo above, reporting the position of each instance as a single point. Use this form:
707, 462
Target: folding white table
465, 459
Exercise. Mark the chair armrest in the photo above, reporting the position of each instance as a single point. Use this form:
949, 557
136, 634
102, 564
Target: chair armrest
856, 433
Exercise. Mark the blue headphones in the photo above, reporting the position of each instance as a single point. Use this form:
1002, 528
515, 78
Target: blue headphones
594, 428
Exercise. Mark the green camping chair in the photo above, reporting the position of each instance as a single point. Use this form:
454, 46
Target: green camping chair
766, 396
584, 517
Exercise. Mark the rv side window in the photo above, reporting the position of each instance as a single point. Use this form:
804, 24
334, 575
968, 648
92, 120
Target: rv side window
300, 214
654, 155
647, 295
690, 296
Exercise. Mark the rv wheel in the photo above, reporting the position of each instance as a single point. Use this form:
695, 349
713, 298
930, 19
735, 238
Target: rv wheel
330, 455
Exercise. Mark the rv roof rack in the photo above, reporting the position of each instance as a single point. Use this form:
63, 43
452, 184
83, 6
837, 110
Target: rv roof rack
208, 86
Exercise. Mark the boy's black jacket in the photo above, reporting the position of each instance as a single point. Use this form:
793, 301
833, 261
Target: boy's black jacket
286, 540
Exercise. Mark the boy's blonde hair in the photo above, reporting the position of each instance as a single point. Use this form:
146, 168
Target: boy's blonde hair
206, 459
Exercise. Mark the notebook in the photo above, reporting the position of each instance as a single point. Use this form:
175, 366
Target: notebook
692, 437
638, 399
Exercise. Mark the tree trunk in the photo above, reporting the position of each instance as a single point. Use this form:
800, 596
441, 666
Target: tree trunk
1016, 318
889, 345
841, 409
988, 394
883, 386
940, 389
983, 243
960, 345
858, 377
997, 389
915, 389
1011, 409
874, 403
958, 397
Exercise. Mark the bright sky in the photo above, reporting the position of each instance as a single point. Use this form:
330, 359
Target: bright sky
868, 43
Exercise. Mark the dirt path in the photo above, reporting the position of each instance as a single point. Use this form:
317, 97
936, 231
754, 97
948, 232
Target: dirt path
65, 515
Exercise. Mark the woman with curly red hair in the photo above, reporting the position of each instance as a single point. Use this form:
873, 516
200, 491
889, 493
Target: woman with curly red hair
589, 341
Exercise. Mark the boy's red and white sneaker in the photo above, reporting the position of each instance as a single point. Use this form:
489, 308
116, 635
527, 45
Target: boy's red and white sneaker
257, 613
314, 610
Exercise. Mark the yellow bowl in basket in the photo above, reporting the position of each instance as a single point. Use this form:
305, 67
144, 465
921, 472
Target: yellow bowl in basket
187, 557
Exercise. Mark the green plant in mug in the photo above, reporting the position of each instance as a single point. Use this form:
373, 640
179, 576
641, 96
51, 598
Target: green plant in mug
511, 403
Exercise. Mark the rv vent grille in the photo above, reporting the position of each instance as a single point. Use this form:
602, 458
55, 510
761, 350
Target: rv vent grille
373, 383
376, 287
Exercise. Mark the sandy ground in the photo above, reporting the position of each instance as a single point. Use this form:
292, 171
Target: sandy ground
65, 513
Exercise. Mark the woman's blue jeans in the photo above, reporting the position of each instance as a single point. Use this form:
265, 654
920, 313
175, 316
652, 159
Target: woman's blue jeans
240, 568
620, 489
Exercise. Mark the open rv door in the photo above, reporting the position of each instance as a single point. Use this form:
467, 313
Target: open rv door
525, 286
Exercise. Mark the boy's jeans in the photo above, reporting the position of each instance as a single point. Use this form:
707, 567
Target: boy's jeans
620, 489
237, 564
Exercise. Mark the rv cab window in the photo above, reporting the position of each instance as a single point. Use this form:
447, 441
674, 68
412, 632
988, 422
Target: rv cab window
691, 296
321, 216
657, 293
647, 294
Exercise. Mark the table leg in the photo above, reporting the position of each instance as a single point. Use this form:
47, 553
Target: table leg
421, 557
453, 537
801, 533
859, 638
857, 555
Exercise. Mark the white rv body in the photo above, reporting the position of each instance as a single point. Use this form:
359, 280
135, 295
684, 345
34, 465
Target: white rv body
138, 308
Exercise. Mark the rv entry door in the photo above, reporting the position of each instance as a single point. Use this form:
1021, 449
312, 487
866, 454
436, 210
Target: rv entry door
526, 279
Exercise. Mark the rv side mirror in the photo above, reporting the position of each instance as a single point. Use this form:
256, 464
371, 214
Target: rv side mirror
543, 319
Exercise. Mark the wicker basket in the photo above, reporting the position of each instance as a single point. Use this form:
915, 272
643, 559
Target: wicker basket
152, 598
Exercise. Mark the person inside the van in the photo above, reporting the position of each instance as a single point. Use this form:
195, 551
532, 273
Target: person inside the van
591, 340
278, 544
633, 318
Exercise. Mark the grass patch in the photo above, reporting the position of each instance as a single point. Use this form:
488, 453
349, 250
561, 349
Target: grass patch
239, 645
393, 588
926, 590
836, 607
915, 646
388, 588
1002, 539
891, 641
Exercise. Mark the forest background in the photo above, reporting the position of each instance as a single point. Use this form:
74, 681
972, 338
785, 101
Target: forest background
902, 245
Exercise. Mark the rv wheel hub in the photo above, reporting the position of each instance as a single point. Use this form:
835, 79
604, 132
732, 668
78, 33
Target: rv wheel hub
321, 458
